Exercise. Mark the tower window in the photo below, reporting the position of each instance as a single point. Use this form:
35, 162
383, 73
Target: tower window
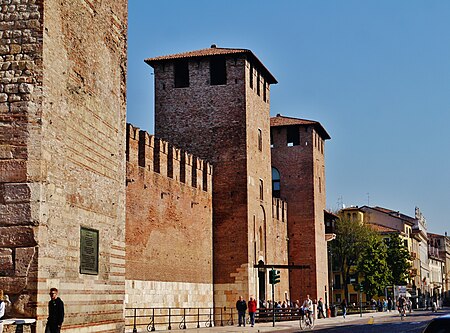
259, 139
264, 91
218, 71
261, 189
251, 76
181, 74
258, 87
293, 136
275, 183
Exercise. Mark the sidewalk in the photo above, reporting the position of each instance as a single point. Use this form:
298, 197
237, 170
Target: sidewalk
279, 326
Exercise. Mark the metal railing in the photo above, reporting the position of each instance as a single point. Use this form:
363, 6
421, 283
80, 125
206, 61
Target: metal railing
183, 318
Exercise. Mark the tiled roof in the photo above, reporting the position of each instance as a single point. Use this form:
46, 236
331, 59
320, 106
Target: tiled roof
393, 213
381, 228
213, 51
280, 120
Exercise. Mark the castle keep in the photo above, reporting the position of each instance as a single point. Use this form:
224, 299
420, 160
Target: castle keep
113, 216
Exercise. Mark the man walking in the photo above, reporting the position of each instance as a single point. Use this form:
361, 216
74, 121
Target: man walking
241, 307
320, 314
55, 313
252, 310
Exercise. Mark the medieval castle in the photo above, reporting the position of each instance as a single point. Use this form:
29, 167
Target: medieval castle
187, 217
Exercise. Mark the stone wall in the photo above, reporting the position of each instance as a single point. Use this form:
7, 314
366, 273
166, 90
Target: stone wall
169, 225
62, 157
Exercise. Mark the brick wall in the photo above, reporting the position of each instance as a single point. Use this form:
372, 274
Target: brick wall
300, 167
220, 123
63, 104
169, 225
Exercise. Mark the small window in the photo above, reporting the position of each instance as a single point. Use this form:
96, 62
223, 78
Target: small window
293, 136
261, 189
264, 91
218, 71
181, 74
259, 139
271, 139
251, 76
258, 85
275, 183
320, 185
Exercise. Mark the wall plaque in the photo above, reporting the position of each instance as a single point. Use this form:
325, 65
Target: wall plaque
88, 251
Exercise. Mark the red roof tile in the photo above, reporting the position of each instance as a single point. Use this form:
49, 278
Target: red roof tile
280, 120
213, 51
381, 228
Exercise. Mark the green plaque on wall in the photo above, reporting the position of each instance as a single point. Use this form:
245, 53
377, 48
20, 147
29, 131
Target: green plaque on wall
88, 251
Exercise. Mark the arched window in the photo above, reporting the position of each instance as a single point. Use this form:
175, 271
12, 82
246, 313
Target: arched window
275, 183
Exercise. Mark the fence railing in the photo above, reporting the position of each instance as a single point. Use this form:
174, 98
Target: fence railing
153, 319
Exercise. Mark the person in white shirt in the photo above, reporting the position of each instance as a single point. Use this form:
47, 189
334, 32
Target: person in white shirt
308, 304
2, 310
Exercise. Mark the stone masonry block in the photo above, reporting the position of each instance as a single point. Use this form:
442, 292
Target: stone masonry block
17, 236
6, 262
25, 261
14, 193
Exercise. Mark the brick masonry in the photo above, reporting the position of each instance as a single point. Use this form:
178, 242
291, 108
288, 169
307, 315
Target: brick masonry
62, 163
302, 185
220, 123
169, 225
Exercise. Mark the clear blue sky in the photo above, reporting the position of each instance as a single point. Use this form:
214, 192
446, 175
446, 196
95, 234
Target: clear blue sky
375, 74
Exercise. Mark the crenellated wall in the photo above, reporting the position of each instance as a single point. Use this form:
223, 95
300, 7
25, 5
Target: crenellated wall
168, 225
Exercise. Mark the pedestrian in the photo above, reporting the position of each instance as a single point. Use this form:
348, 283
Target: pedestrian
344, 307
320, 309
389, 304
55, 313
252, 310
241, 307
2, 310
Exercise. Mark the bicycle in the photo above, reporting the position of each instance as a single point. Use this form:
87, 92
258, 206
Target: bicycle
306, 320
402, 312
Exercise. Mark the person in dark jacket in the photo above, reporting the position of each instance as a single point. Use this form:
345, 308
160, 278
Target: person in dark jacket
344, 307
241, 307
55, 313
320, 314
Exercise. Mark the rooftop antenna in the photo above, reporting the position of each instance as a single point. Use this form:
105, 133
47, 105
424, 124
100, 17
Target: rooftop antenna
340, 203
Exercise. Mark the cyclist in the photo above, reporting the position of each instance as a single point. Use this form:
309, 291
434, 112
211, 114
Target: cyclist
308, 308
401, 305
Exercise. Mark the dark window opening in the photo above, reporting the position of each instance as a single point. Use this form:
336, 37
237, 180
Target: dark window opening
218, 71
293, 136
258, 88
181, 74
251, 76
183, 167
275, 183
264, 91
271, 139
259, 139
194, 171
261, 189
205, 176
170, 162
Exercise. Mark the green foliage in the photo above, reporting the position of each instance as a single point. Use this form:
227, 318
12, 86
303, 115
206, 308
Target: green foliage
398, 260
351, 239
373, 266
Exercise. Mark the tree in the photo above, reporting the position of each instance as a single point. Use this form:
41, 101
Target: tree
373, 266
352, 237
399, 260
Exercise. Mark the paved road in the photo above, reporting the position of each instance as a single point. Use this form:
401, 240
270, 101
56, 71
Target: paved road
379, 322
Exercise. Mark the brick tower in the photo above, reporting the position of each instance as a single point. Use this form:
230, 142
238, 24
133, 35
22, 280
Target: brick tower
299, 178
214, 103
62, 159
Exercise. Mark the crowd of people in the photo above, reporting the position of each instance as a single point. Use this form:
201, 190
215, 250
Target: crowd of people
305, 307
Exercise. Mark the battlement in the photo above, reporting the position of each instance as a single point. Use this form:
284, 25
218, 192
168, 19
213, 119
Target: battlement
279, 209
156, 155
